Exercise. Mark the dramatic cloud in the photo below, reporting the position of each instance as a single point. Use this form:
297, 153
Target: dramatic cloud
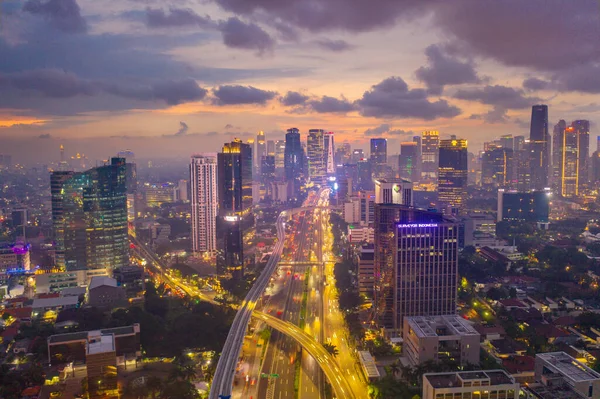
583, 78
52, 83
392, 98
495, 115
183, 128
177, 17
327, 104
293, 98
48, 83
335, 45
535, 84
501, 96
63, 15
45, 136
242, 35
541, 34
445, 70
172, 92
235, 94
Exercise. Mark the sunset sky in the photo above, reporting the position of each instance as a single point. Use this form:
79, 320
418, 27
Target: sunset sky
174, 77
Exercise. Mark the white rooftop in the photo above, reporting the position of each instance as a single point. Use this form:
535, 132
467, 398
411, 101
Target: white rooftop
106, 343
427, 326
570, 368
369, 364
98, 281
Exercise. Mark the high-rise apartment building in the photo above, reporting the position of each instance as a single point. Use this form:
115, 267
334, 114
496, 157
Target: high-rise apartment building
234, 181
408, 162
378, 156
315, 151
329, 149
293, 161
203, 181
452, 175
430, 143
89, 211
539, 147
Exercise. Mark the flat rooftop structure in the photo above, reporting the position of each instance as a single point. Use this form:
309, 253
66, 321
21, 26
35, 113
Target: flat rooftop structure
368, 364
83, 336
453, 380
41, 303
567, 366
542, 391
105, 343
429, 326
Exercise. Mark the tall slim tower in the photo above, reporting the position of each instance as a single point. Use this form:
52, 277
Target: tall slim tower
539, 147
452, 175
582, 127
261, 149
408, 164
270, 148
235, 201
329, 148
569, 163
203, 182
315, 150
557, 152
134, 198
293, 161
90, 217
430, 143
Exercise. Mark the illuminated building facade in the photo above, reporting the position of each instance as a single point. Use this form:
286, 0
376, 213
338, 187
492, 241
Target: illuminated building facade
582, 127
234, 181
497, 168
315, 150
557, 149
539, 147
452, 175
408, 263
203, 179
343, 154
357, 155
531, 206
280, 155
430, 144
57, 179
261, 149
90, 217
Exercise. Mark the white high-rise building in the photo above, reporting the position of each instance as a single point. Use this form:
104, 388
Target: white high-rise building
261, 149
203, 183
329, 149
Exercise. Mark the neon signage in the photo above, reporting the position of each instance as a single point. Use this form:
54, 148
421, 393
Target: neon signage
418, 225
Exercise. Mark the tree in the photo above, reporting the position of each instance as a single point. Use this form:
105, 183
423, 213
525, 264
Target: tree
394, 368
332, 349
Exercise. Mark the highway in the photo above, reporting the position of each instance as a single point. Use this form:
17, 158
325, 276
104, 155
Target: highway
345, 379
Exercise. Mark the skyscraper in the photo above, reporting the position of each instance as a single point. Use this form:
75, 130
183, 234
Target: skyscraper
557, 150
408, 164
270, 148
539, 147
315, 151
452, 175
294, 161
89, 211
329, 149
378, 155
203, 179
416, 253
235, 202
280, 155
134, 198
507, 141
582, 127
261, 149
419, 169
357, 155
343, 154
569, 163
497, 168
430, 143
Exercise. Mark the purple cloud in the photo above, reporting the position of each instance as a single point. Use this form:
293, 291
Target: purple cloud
242, 35
176, 17
293, 98
501, 96
236, 95
327, 104
391, 98
63, 15
337, 46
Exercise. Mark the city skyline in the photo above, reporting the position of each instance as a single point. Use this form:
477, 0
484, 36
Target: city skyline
197, 75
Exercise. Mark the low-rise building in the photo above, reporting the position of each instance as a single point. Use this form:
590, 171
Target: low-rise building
41, 306
470, 385
447, 338
368, 365
56, 282
103, 292
561, 370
